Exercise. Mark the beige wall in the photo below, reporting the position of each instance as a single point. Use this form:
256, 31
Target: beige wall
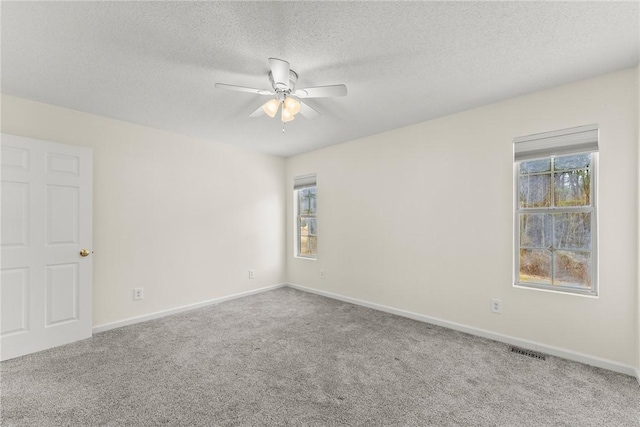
185, 218
420, 219
181, 217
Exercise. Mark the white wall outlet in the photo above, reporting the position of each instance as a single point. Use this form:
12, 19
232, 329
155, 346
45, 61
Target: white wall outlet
252, 274
137, 293
322, 274
496, 306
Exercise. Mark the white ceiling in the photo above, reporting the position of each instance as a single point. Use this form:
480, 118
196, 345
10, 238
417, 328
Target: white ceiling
156, 63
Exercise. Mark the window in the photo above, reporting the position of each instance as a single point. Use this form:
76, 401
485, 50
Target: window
556, 210
305, 199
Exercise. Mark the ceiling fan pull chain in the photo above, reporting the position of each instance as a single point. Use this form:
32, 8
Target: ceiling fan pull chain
282, 127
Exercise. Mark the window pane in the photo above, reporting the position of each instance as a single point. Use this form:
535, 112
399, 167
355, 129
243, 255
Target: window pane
307, 200
308, 226
308, 245
535, 230
304, 227
535, 266
531, 166
313, 245
573, 188
572, 230
576, 161
535, 191
572, 269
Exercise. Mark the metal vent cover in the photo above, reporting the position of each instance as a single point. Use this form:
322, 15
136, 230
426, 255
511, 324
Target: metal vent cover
528, 353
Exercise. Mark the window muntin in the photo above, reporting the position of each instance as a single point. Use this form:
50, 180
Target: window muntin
555, 218
306, 229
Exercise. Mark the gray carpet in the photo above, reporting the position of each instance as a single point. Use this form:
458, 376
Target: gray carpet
286, 357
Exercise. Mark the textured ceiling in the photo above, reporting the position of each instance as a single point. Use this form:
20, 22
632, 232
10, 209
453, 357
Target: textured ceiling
156, 63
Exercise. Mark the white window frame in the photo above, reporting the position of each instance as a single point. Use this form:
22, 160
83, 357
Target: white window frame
300, 183
580, 140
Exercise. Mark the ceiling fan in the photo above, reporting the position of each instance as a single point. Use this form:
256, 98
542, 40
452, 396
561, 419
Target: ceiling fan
284, 93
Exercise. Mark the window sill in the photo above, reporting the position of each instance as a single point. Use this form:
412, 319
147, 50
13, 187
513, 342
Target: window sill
305, 258
556, 291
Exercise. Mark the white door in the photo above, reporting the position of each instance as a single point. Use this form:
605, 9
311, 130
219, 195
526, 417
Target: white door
45, 283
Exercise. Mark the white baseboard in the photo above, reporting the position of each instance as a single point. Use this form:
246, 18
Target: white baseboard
531, 345
163, 313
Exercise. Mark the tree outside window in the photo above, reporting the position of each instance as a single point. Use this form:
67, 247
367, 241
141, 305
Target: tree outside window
307, 222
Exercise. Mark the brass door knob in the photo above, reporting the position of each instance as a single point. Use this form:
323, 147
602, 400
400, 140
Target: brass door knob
84, 252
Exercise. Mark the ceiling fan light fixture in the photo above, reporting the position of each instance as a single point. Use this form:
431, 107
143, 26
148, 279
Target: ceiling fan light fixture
292, 105
286, 115
271, 107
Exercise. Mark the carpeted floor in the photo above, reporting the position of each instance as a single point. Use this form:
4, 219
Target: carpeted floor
286, 357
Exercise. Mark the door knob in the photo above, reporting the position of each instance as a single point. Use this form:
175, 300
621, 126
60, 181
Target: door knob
84, 252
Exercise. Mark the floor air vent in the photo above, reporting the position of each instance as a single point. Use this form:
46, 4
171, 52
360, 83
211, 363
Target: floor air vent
529, 353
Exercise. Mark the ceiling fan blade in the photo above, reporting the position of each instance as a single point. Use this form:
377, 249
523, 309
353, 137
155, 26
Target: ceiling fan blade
259, 112
307, 111
244, 89
321, 91
280, 73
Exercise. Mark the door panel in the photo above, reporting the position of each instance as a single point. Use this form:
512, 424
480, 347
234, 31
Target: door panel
62, 215
59, 163
46, 220
15, 214
15, 158
62, 293
14, 294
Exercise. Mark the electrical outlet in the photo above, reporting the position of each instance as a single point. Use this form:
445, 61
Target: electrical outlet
252, 274
322, 274
496, 306
137, 293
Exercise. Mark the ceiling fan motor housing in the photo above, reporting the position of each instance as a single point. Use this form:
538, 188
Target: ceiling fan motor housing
279, 87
